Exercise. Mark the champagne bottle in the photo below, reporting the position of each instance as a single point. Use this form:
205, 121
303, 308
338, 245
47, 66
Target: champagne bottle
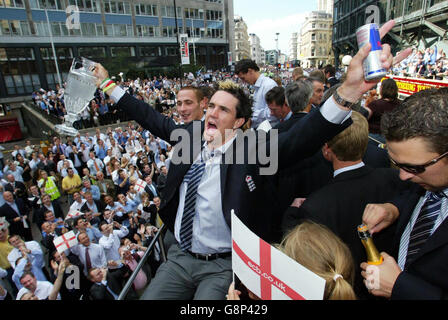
373, 256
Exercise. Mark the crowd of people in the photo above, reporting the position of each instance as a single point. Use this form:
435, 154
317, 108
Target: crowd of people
430, 63
115, 189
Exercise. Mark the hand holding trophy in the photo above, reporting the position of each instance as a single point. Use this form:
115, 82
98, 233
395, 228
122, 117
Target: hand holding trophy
80, 89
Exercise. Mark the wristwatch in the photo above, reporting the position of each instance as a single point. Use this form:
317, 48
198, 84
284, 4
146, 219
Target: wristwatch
341, 101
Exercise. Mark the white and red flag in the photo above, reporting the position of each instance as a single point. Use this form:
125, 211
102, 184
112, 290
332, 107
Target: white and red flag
66, 241
140, 186
269, 273
74, 214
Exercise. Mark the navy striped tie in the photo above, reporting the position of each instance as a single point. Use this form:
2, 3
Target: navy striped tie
192, 178
424, 225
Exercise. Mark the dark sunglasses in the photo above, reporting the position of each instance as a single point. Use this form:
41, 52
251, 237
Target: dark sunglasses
417, 169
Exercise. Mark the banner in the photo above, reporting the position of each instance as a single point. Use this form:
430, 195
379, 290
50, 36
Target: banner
269, 273
229, 58
184, 50
409, 86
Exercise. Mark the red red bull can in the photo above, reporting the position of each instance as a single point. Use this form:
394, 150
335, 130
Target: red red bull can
373, 68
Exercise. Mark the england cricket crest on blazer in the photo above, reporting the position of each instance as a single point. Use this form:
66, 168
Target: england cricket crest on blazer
250, 183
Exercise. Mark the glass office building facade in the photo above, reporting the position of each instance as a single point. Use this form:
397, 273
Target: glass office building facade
137, 35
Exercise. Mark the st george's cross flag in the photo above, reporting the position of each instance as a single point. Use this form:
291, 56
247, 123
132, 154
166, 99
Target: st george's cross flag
73, 214
269, 273
140, 186
66, 241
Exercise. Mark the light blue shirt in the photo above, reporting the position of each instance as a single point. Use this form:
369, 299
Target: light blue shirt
96, 194
20, 269
17, 173
349, 168
260, 107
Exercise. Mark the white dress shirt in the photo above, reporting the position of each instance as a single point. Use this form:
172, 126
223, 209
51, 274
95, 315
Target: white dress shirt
96, 253
43, 291
111, 244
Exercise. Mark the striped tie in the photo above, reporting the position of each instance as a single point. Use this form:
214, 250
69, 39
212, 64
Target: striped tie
424, 225
192, 178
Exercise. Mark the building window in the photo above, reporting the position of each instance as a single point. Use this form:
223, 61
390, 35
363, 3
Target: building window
148, 31
92, 52
14, 28
215, 33
119, 30
149, 51
85, 5
191, 13
146, 9
12, 3
19, 70
122, 51
117, 7
214, 15
168, 11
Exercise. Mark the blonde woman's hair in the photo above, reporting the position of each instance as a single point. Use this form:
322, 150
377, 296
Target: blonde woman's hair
318, 249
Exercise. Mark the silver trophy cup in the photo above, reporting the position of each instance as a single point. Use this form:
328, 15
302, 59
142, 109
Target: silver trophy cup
79, 91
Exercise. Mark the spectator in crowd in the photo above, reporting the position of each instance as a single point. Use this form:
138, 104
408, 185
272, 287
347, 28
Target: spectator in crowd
88, 187
275, 98
249, 72
38, 290
16, 213
90, 254
48, 185
81, 225
389, 101
110, 241
416, 137
71, 184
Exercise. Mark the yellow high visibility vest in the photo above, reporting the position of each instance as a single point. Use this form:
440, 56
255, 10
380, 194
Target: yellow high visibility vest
51, 188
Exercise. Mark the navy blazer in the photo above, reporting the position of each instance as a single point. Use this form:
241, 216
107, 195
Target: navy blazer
257, 208
10, 214
426, 276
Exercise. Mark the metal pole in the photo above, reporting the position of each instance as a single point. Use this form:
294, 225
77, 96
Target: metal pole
194, 41
54, 51
148, 251
178, 43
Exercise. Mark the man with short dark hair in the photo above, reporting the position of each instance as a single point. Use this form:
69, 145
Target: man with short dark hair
248, 71
276, 101
417, 141
90, 254
41, 289
330, 75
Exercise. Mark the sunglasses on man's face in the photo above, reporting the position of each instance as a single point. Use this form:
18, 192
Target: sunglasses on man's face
417, 169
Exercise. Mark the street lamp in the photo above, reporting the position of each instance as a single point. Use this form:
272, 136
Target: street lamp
276, 41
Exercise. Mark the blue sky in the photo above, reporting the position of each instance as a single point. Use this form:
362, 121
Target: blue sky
266, 17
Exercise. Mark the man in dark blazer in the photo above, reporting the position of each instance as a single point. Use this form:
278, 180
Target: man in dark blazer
239, 187
417, 141
16, 214
17, 188
47, 205
106, 285
340, 204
